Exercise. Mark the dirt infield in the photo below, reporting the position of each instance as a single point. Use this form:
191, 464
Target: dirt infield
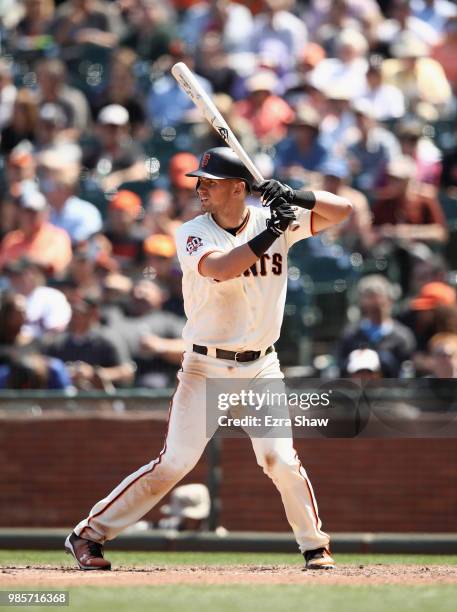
375, 574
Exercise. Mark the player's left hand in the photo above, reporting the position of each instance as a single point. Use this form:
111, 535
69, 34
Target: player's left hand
281, 216
272, 190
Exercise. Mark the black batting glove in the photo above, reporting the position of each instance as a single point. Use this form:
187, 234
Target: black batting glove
272, 189
281, 216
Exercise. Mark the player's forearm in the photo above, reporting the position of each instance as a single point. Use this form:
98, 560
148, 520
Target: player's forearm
225, 266
328, 205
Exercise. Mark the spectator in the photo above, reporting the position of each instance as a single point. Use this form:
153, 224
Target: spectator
302, 151
386, 100
53, 88
89, 267
51, 129
93, 359
115, 157
420, 78
231, 19
213, 64
167, 104
81, 22
355, 234
22, 124
279, 34
188, 509
151, 29
13, 317
425, 154
125, 235
160, 251
34, 24
153, 336
47, 309
423, 316
122, 89
59, 182
8, 93
403, 22
364, 365
449, 174
377, 329
36, 237
408, 212
268, 113
34, 372
443, 351
349, 65
372, 149
445, 51
434, 12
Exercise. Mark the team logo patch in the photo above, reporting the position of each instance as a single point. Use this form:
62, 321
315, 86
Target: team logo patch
193, 244
205, 160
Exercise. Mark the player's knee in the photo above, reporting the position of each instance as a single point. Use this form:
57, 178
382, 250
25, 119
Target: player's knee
275, 466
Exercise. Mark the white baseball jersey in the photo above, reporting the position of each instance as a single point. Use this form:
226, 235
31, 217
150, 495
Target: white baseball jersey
244, 313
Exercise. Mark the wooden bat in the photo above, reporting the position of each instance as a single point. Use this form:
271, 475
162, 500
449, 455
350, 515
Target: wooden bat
190, 85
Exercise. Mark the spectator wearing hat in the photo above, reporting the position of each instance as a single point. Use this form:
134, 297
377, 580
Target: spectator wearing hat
59, 181
279, 33
160, 251
90, 265
93, 358
47, 309
355, 234
371, 150
22, 123
387, 101
52, 131
115, 158
363, 364
303, 150
420, 78
268, 114
377, 329
182, 187
337, 119
408, 212
123, 231
36, 237
416, 145
430, 312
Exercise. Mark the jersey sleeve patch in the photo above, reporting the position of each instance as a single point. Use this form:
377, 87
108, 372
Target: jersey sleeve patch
193, 243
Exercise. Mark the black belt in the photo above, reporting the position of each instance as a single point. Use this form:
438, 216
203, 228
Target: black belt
233, 355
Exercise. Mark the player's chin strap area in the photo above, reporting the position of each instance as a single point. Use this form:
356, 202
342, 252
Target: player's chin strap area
231, 355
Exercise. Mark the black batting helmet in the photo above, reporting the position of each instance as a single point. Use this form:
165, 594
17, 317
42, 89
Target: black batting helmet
221, 163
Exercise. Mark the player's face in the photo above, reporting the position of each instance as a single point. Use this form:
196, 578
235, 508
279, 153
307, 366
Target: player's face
214, 194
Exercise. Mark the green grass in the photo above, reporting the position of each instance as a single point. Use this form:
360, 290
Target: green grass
119, 558
267, 598
247, 598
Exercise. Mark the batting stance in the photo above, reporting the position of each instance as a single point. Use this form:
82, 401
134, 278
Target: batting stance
234, 263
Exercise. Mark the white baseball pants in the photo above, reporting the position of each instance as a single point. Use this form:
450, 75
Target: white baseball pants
184, 444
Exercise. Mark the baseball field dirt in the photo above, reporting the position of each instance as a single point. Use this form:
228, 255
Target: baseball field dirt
372, 574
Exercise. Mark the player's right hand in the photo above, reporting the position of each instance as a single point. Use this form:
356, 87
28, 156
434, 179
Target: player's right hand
272, 190
281, 216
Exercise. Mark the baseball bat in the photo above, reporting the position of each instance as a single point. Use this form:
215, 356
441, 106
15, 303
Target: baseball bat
190, 85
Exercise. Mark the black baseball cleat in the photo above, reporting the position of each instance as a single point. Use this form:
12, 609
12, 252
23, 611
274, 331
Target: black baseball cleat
88, 554
319, 559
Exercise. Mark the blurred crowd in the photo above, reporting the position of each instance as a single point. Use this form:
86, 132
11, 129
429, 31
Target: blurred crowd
358, 97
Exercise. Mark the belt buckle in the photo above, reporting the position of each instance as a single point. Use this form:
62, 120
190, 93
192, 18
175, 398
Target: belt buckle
236, 356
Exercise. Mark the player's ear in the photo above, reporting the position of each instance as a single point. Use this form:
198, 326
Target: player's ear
239, 188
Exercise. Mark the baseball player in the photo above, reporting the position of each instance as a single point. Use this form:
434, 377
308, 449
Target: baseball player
234, 263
